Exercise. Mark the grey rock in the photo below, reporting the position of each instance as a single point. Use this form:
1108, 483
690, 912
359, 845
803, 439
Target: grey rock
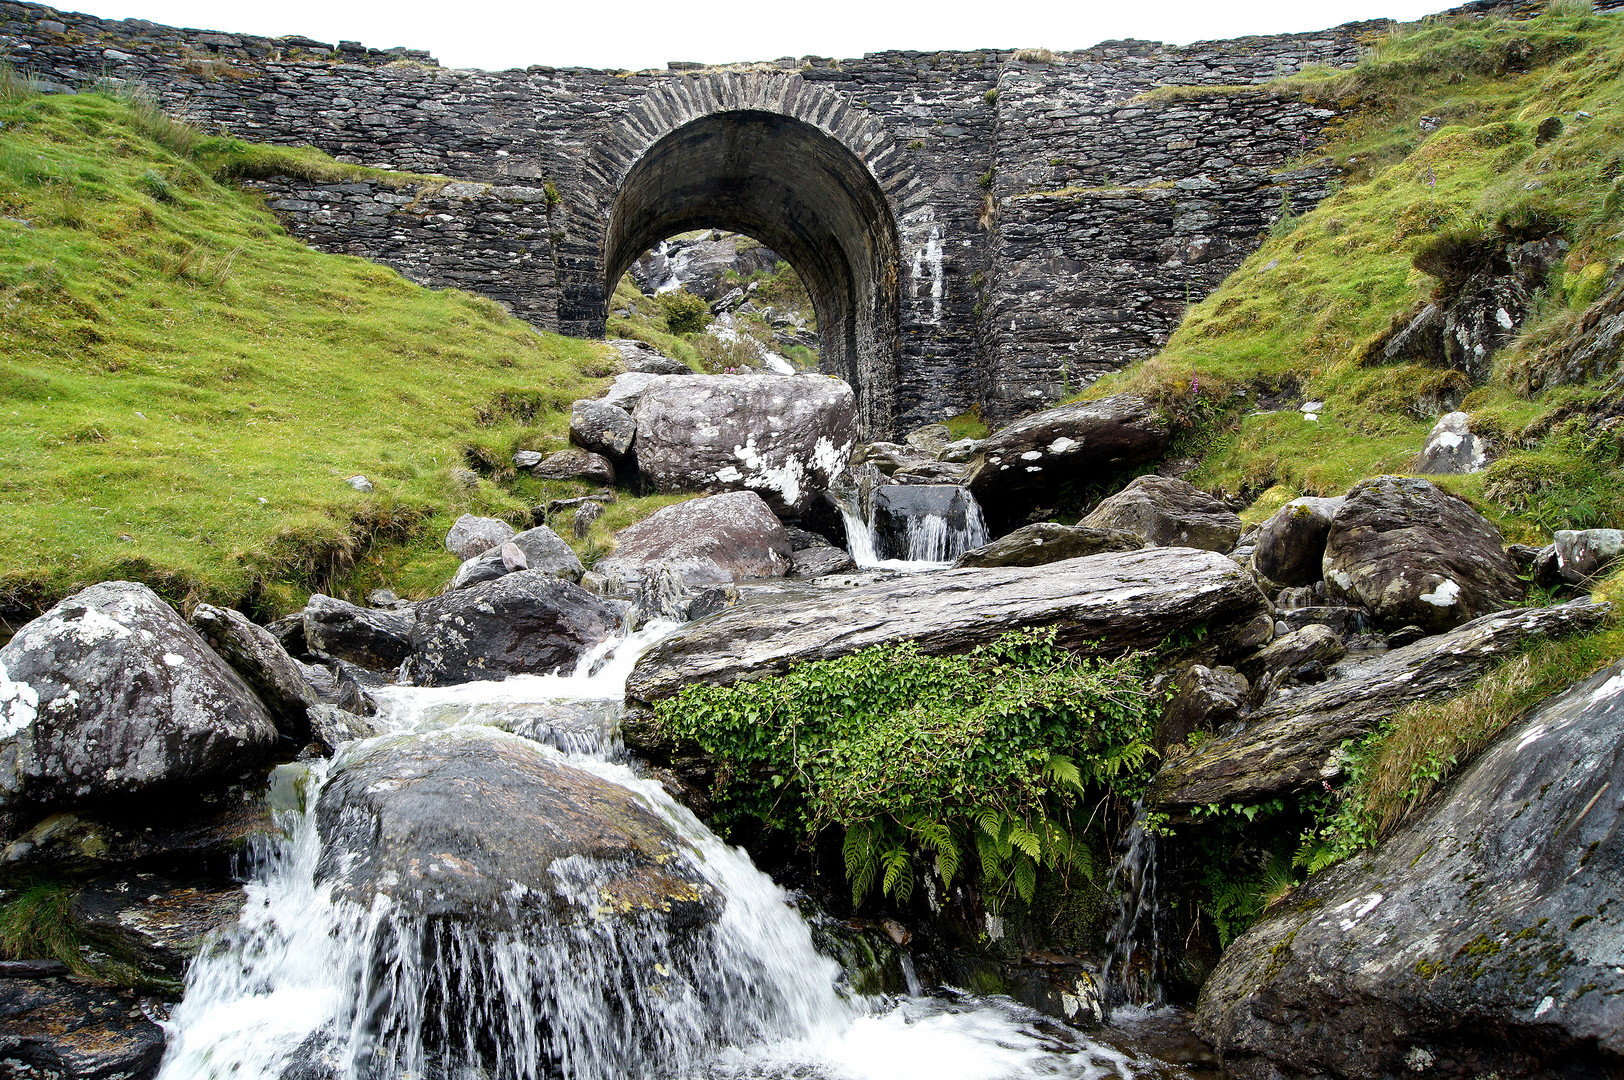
1204, 699
384, 598
801, 539
470, 535
931, 472
1453, 448
576, 464
1344, 622
601, 428
332, 727
961, 451
627, 390
1168, 512
367, 637
513, 557
708, 541
1102, 605
1314, 643
1583, 555
889, 457
783, 437
1412, 553
527, 622
1476, 941
1047, 542
1037, 458
110, 693
1294, 597
1294, 742
527, 459
585, 515
359, 483
641, 357
264, 665
932, 438
538, 549
819, 561
335, 686
1291, 545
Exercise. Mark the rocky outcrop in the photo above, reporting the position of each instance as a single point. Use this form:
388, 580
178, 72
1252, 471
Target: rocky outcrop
1103, 604
1294, 741
1415, 555
470, 535
1477, 941
1290, 547
527, 622
1167, 512
255, 654
110, 693
819, 561
384, 828
710, 541
60, 1027
1203, 699
604, 429
542, 549
1583, 555
378, 640
1036, 460
1290, 652
784, 437
1047, 542
1452, 447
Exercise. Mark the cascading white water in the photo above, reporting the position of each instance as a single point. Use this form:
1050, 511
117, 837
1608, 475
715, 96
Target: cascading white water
933, 541
1134, 940
311, 986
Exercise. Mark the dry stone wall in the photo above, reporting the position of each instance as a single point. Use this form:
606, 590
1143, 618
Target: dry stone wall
1038, 222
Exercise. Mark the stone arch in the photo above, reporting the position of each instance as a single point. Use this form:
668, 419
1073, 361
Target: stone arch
796, 167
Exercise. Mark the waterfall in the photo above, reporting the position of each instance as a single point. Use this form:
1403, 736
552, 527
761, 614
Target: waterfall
933, 542
1132, 970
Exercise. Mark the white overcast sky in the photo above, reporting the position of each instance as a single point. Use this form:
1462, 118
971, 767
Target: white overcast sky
637, 34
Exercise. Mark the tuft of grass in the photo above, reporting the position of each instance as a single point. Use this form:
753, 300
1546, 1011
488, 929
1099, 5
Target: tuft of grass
36, 923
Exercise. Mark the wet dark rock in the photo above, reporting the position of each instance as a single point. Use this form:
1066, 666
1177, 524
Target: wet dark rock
575, 463
470, 535
367, 637
336, 686
821, 561
1412, 553
785, 437
601, 428
257, 656
331, 727
800, 539
1291, 545
155, 922
110, 693
492, 863
1102, 605
1312, 643
707, 541
289, 633
1453, 448
1405, 635
1047, 542
1476, 941
1344, 622
1036, 459
1168, 512
71, 1029
1294, 741
527, 622
1204, 699
1584, 555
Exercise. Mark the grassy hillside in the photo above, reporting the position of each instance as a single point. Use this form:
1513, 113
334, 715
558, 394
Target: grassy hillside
186, 388
1300, 316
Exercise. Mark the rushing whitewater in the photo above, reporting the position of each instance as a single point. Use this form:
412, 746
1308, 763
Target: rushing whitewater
933, 541
311, 985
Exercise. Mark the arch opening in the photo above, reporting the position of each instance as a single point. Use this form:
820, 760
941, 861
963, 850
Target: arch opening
801, 193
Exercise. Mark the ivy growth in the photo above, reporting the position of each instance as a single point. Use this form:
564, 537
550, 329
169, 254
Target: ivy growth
982, 758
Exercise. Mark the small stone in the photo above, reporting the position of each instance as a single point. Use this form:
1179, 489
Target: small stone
585, 515
358, 482
383, 598
527, 459
513, 557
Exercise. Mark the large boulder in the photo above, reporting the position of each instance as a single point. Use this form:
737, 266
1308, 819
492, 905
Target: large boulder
255, 654
639, 356
601, 428
709, 541
1415, 555
1047, 542
1290, 547
918, 521
110, 693
1036, 460
469, 535
627, 390
372, 638
543, 550
1478, 941
1101, 605
784, 437
527, 622
1295, 742
1167, 512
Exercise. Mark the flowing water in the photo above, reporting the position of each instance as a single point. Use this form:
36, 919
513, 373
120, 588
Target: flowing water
1132, 973
933, 541
311, 986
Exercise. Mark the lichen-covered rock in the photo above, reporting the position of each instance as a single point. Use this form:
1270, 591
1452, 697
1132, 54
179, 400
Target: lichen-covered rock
110, 693
1583, 555
601, 428
784, 437
1038, 458
819, 561
1290, 547
527, 622
470, 535
642, 357
371, 638
1203, 699
1167, 512
539, 548
709, 541
1415, 555
1452, 447
1477, 941
1288, 652
573, 463
255, 654
1047, 542
65, 1029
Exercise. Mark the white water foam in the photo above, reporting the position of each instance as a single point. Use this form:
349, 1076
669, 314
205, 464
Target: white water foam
933, 542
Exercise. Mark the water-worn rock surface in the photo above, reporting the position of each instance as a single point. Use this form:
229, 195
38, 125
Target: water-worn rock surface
111, 693
709, 541
1103, 604
527, 622
1046, 542
1479, 940
375, 639
62, 1028
1166, 511
1293, 741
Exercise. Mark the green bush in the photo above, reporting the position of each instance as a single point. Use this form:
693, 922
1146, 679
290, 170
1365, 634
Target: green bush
981, 756
684, 312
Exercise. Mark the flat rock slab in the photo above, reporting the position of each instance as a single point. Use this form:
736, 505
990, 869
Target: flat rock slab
1294, 741
70, 1029
1104, 604
1480, 940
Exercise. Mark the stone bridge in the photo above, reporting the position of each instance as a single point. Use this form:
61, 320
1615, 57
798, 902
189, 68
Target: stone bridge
985, 230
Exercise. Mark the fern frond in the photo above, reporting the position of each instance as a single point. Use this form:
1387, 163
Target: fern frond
899, 876
1063, 770
1025, 839
1025, 876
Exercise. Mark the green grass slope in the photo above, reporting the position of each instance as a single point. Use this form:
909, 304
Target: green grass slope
1300, 315
185, 388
